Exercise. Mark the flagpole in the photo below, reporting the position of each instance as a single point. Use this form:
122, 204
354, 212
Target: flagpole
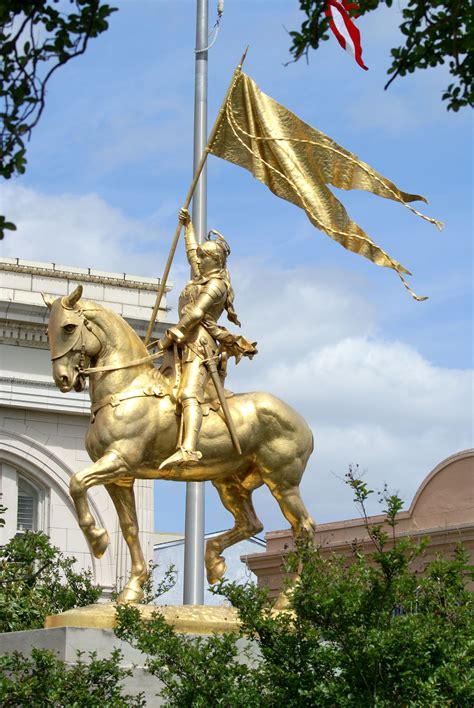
193, 578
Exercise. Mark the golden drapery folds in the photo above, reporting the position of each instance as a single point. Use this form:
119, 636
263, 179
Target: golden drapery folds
297, 162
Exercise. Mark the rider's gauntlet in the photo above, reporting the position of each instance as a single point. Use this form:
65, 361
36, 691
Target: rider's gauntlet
172, 335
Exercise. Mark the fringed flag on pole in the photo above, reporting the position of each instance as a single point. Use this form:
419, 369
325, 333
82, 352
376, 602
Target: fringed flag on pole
347, 34
297, 162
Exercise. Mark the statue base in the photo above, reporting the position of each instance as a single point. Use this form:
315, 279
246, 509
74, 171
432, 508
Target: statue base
65, 642
187, 619
90, 628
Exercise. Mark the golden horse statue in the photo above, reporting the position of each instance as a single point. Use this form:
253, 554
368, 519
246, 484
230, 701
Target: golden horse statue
134, 428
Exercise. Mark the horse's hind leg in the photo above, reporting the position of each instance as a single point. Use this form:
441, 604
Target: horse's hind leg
123, 498
238, 500
293, 509
287, 493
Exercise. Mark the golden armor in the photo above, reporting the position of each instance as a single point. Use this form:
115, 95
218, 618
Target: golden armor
197, 335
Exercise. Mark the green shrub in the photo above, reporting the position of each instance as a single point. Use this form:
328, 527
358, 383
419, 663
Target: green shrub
36, 580
44, 680
364, 631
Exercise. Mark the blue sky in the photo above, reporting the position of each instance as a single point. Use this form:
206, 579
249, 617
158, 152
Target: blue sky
383, 380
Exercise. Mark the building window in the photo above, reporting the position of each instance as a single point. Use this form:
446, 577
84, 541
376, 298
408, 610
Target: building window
28, 506
26, 498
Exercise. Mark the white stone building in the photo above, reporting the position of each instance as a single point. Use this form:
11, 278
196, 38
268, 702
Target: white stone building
42, 430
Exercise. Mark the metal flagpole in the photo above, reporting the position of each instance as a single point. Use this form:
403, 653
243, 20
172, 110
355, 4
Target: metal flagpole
193, 590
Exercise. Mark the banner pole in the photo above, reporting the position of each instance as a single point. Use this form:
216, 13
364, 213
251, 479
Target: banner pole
189, 196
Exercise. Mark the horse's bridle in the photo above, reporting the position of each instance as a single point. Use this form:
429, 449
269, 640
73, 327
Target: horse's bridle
83, 372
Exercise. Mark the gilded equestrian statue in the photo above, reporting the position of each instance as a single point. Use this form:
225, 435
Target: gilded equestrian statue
136, 429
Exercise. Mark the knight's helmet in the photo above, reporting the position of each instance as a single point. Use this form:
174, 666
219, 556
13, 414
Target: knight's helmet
217, 247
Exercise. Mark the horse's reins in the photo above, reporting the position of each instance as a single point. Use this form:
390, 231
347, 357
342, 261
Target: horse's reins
114, 367
98, 369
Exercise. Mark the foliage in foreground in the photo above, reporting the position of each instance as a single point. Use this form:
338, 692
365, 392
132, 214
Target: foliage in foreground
359, 631
358, 638
369, 632
44, 680
36, 580
195, 671
434, 32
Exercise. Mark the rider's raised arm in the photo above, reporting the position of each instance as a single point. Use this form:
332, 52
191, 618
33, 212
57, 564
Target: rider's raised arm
190, 242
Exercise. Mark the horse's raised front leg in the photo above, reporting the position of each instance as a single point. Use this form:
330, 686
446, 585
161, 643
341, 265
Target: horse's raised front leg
123, 498
104, 470
238, 500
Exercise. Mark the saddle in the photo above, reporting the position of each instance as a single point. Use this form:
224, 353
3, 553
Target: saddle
169, 372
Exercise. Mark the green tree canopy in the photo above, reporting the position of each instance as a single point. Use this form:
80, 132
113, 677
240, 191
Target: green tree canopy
37, 37
434, 32
363, 631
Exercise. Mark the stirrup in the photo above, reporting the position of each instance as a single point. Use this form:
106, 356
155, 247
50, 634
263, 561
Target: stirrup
181, 457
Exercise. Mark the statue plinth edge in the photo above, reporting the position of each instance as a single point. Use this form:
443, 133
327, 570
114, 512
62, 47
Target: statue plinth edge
188, 619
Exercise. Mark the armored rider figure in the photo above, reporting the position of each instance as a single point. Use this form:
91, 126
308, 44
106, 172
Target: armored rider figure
197, 335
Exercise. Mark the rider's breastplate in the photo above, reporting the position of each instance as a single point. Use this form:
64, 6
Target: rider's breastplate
188, 298
190, 295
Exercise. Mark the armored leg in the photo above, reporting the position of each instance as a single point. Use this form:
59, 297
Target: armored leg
192, 418
192, 421
193, 381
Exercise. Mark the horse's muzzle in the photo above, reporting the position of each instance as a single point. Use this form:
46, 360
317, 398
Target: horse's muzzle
64, 385
64, 379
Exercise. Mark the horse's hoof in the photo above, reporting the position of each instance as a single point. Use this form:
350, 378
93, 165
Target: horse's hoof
99, 542
130, 595
216, 570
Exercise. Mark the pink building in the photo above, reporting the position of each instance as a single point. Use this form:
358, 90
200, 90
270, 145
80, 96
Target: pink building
442, 510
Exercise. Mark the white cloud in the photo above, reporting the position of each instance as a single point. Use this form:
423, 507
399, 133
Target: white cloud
77, 230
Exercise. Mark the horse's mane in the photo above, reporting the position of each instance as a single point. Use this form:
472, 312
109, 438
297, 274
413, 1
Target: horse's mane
93, 312
114, 326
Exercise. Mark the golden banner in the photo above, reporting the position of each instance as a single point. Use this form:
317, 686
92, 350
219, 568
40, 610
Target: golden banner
297, 162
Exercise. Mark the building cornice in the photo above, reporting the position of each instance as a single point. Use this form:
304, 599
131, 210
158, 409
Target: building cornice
23, 334
27, 382
36, 394
84, 275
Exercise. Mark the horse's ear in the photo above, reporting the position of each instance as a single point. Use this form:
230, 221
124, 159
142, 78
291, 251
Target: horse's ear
69, 301
48, 300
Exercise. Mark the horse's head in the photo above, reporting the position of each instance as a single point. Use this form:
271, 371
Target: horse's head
71, 340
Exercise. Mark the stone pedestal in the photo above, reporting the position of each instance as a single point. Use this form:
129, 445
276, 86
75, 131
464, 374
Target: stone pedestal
90, 628
65, 642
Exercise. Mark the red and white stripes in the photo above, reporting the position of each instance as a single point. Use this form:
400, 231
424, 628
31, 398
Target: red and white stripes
344, 28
